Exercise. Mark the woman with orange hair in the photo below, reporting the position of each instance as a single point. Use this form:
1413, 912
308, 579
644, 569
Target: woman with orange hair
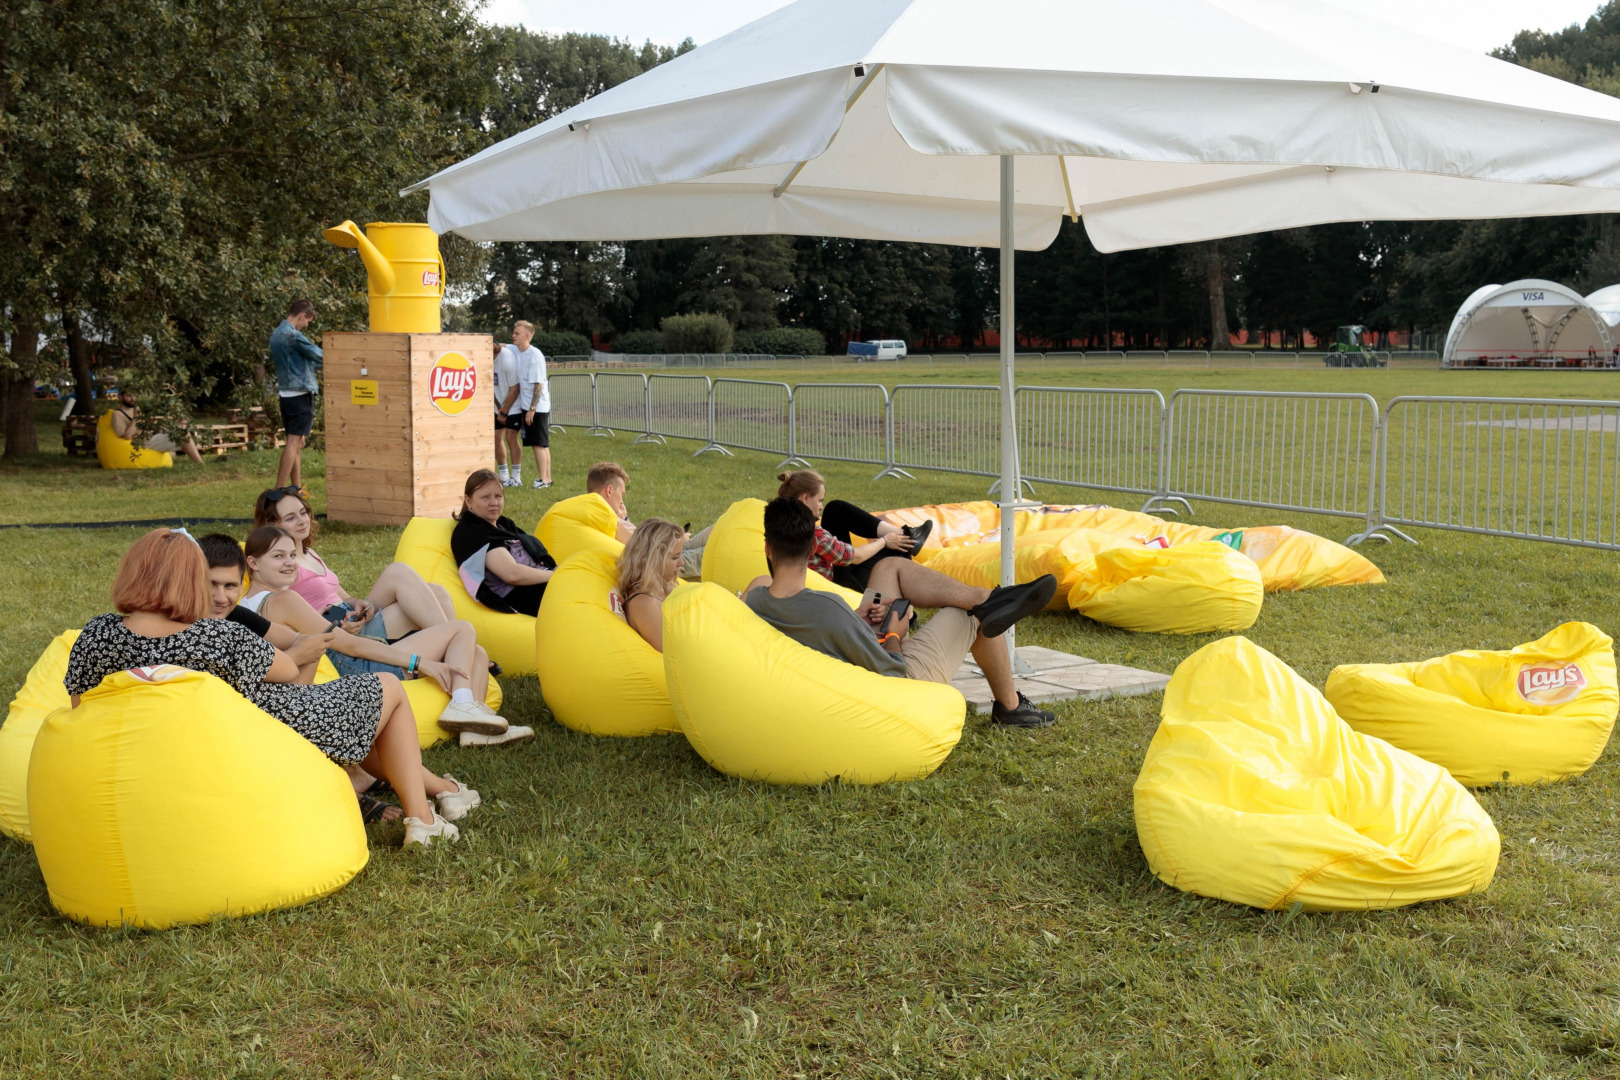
161, 595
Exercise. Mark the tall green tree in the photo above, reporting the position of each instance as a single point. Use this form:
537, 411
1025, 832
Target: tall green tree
166, 169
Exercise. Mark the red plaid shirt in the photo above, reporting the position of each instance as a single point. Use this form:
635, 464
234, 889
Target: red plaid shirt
828, 552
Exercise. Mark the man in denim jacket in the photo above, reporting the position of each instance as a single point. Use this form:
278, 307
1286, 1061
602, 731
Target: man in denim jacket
296, 359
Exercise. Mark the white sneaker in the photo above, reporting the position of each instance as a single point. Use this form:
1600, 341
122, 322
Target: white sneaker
514, 733
417, 832
457, 804
541, 484
517, 479
507, 481
475, 716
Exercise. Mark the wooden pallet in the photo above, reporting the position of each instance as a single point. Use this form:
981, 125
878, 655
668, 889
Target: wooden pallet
79, 436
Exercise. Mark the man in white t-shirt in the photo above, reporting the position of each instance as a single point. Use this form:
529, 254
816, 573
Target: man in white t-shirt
534, 399
508, 416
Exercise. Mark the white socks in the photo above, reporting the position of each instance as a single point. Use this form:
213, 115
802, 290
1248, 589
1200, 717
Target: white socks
462, 696
504, 474
517, 474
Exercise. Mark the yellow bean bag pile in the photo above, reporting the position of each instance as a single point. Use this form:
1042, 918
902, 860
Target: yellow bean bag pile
42, 693
1254, 791
1542, 711
116, 453
597, 674
735, 552
758, 705
1192, 588
583, 523
138, 795
509, 639
1288, 558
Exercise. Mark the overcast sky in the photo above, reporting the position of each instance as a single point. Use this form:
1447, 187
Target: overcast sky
1474, 24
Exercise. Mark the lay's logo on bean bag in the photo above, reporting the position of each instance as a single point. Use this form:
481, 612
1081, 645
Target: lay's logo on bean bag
1551, 685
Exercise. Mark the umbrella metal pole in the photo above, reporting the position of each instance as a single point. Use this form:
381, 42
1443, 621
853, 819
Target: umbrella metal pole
1011, 489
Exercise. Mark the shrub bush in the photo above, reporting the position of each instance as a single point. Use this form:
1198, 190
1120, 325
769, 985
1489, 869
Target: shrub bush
562, 343
639, 343
782, 341
706, 333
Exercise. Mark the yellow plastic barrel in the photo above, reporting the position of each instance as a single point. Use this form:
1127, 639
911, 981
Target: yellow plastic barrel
404, 273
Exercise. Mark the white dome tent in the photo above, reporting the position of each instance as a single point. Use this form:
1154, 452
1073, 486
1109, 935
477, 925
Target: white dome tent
1529, 323
1606, 302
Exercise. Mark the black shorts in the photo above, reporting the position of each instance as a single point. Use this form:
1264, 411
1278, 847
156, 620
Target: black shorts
298, 414
538, 433
509, 422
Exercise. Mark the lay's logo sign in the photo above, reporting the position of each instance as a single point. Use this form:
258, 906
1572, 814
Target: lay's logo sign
1551, 685
452, 383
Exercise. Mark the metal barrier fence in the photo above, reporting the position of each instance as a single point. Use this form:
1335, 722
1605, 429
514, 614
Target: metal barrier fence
747, 415
1110, 440
945, 428
1315, 453
678, 407
842, 422
1535, 468
1530, 468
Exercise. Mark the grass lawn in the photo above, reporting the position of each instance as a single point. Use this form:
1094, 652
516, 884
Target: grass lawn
619, 909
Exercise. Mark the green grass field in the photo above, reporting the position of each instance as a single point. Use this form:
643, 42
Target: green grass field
619, 909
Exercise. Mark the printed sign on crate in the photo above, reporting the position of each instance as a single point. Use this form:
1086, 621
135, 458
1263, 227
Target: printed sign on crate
363, 392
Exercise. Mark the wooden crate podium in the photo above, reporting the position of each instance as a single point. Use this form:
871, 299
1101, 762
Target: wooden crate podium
392, 452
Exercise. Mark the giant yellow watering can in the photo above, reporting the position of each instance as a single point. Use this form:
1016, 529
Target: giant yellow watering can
404, 273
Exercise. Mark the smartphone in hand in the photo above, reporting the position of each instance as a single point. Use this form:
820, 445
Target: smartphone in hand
899, 612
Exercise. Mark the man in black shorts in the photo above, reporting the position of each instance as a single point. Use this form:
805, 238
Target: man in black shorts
296, 358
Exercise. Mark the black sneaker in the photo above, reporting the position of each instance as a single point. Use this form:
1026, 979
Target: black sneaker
919, 534
1027, 715
1009, 603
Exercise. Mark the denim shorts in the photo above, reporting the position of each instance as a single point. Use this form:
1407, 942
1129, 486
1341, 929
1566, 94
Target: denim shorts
353, 665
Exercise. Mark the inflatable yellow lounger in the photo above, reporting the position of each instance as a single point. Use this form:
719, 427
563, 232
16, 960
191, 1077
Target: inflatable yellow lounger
116, 453
597, 674
1288, 558
1193, 588
509, 639
42, 693
136, 800
583, 523
735, 552
1542, 711
758, 705
1254, 791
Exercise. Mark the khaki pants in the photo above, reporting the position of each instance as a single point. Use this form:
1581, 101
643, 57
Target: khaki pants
935, 653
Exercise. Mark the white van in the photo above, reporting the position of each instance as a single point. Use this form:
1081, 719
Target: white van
877, 350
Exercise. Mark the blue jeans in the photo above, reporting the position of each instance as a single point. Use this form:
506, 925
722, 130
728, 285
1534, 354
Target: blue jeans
353, 665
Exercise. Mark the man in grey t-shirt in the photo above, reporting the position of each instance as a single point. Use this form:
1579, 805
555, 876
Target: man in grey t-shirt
824, 622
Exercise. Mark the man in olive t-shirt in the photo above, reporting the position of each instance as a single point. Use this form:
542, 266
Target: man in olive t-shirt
824, 622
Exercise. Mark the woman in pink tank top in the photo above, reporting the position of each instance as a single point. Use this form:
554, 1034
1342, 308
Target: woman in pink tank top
406, 602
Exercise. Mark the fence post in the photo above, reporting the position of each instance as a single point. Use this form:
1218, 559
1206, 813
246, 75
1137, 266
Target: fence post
647, 435
889, 466
793, 457
596, 427
712, 447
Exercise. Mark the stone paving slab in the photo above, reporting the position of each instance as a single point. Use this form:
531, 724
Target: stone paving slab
1059, 676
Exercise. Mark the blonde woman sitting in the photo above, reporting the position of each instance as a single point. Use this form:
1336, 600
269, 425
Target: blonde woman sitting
649, 570
448, 653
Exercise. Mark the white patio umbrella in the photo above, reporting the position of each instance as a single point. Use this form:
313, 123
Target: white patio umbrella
1155, 122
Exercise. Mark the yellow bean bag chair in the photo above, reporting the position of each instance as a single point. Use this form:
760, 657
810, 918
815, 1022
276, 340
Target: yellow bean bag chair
116, 453
596, 673
735, 552
427, 699
1542, 711
1254, 791
1186, 589
42, 693
1289, 559
138, 796
758, 705
509, 639
583, 523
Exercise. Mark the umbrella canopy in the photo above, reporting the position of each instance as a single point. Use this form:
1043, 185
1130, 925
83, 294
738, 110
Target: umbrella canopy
967, 122
1157, 122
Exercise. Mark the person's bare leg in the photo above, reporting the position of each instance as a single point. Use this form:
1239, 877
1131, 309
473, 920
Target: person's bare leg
287, 471
452, 642
514, 449
922, 586
446, 605
990, 653
192, 452
542, 461
480, 673
406, 601
396, 754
